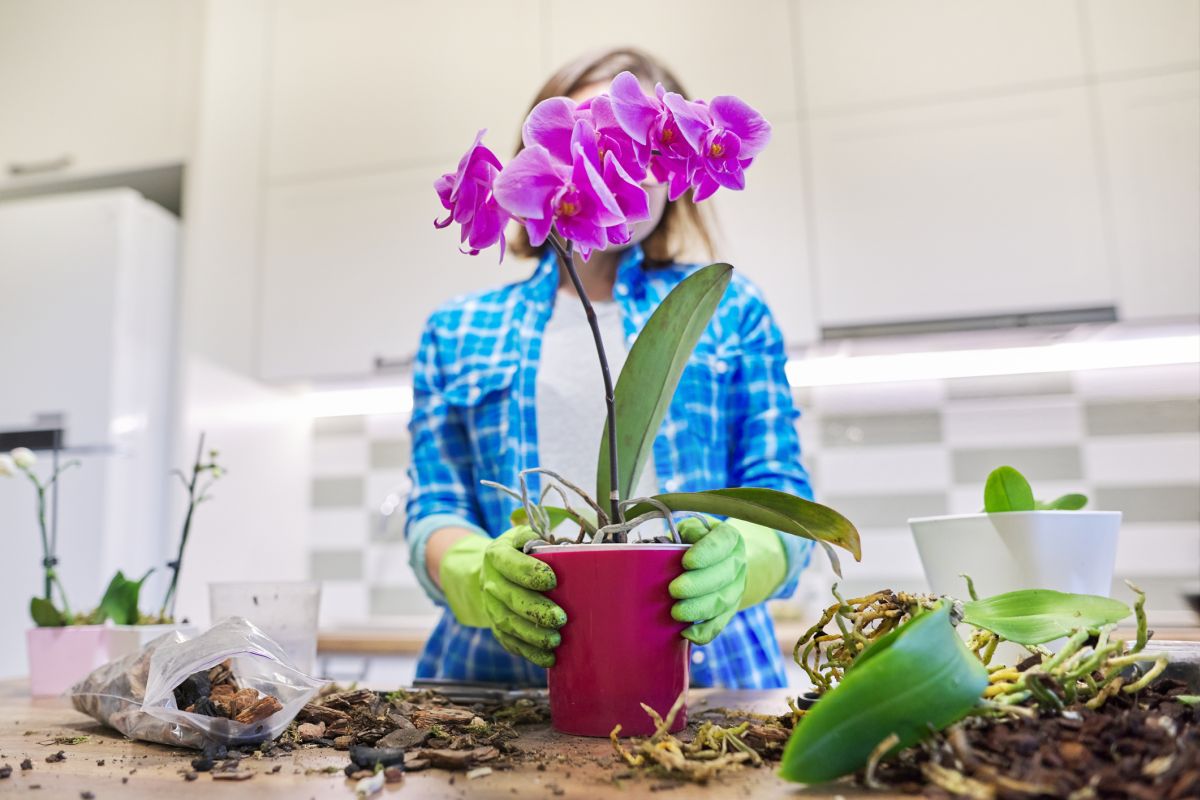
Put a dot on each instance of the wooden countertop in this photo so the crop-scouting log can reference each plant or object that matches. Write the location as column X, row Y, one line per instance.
column 381, row 641
column 585, row 767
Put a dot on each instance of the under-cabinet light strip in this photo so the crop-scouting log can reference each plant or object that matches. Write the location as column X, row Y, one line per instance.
column 943, row 364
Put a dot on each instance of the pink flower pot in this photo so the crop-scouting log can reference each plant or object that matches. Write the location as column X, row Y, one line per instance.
column 620, row 647
column 60, row 657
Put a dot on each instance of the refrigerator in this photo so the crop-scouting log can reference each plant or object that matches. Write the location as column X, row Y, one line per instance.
column 88, row 334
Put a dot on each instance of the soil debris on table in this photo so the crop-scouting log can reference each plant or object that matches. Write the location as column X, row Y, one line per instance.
column 1144, row 746
column 410, row 730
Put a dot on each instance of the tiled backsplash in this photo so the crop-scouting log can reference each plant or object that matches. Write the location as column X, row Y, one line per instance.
column 1128, row 438
column 880, row 453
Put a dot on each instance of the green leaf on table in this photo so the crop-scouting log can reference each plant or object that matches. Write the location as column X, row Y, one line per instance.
column 1035, row 616
column 1007, row 490
column 779, row 510
column 918, row 678
column 120, row 601
column 652, row 369
column 1068, row 502
column 44, row 613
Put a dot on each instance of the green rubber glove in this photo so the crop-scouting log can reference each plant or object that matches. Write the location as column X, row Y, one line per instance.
column 734, row 565
column 492, row 583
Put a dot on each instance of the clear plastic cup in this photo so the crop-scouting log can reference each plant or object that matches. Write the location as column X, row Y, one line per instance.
column 287, row 611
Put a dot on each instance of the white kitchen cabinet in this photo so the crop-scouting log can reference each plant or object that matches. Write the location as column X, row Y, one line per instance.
column 1128, row 36
column 365, row 85
column 858, row 53
column 710, row 47
column 764, row 234
column 956, row 210
column 97, row 87
column 351, row 269
column 1152, row 147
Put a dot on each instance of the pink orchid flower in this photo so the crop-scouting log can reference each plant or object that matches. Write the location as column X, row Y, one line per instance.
column 651, row 121
column 725, row 134
column 573, row 196
column 551, row 124
column 469, row 196
column 582, row 165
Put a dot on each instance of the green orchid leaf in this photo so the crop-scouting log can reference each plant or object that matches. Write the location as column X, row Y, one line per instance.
column 1035, row 616
column 652, row 370
column 779, row 510
column 120, row 601
column 1007, row 490
column 1189, row 699
column 45, row 614
column 557, row 517
column 1068, row 502
column 918, row 678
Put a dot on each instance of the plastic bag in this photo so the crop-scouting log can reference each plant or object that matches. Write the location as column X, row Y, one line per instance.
column 136, row 694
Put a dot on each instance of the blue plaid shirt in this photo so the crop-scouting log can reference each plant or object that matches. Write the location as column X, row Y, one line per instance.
column 731, row 423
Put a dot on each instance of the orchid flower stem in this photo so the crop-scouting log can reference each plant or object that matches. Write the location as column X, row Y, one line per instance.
column 47, row 556
column 168, row 604
column 614, row 497
column 49, row 560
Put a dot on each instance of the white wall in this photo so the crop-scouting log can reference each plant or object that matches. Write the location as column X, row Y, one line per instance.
column 255, row 524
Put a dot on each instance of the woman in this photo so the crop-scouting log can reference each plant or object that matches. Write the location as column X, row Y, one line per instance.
column 506, row 380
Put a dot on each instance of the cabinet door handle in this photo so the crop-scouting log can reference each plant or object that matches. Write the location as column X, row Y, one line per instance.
column 18, row 168
column 383, row 364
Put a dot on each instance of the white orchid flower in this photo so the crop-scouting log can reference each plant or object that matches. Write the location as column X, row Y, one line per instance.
column 23, row 457
column 8, row 467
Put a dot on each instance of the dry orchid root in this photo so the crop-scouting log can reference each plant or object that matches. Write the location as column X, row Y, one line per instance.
column 713, row 750
column 861, row 620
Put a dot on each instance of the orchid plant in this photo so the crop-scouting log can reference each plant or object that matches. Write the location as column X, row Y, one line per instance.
column 577, row 185
column 51, row 609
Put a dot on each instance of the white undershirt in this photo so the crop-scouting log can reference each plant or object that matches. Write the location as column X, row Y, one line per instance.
column 570, row 393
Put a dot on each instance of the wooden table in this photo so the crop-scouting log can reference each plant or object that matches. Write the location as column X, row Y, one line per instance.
column 381, row 641
column 579, row 767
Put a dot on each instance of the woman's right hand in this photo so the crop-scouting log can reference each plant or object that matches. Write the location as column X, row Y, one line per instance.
column 494, row 583
column 524, row 620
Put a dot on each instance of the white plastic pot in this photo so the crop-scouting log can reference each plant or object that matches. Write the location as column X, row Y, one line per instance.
column 1070, row 551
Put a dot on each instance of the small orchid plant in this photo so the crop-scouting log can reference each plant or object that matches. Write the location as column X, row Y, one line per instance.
column 578, row 185
column 122, row 596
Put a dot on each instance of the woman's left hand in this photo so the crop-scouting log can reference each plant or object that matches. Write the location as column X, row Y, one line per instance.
column 710, row 590
column 733, row 565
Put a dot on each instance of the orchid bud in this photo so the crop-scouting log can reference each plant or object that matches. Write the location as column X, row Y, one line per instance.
column 7, row 467
column 23, row 457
